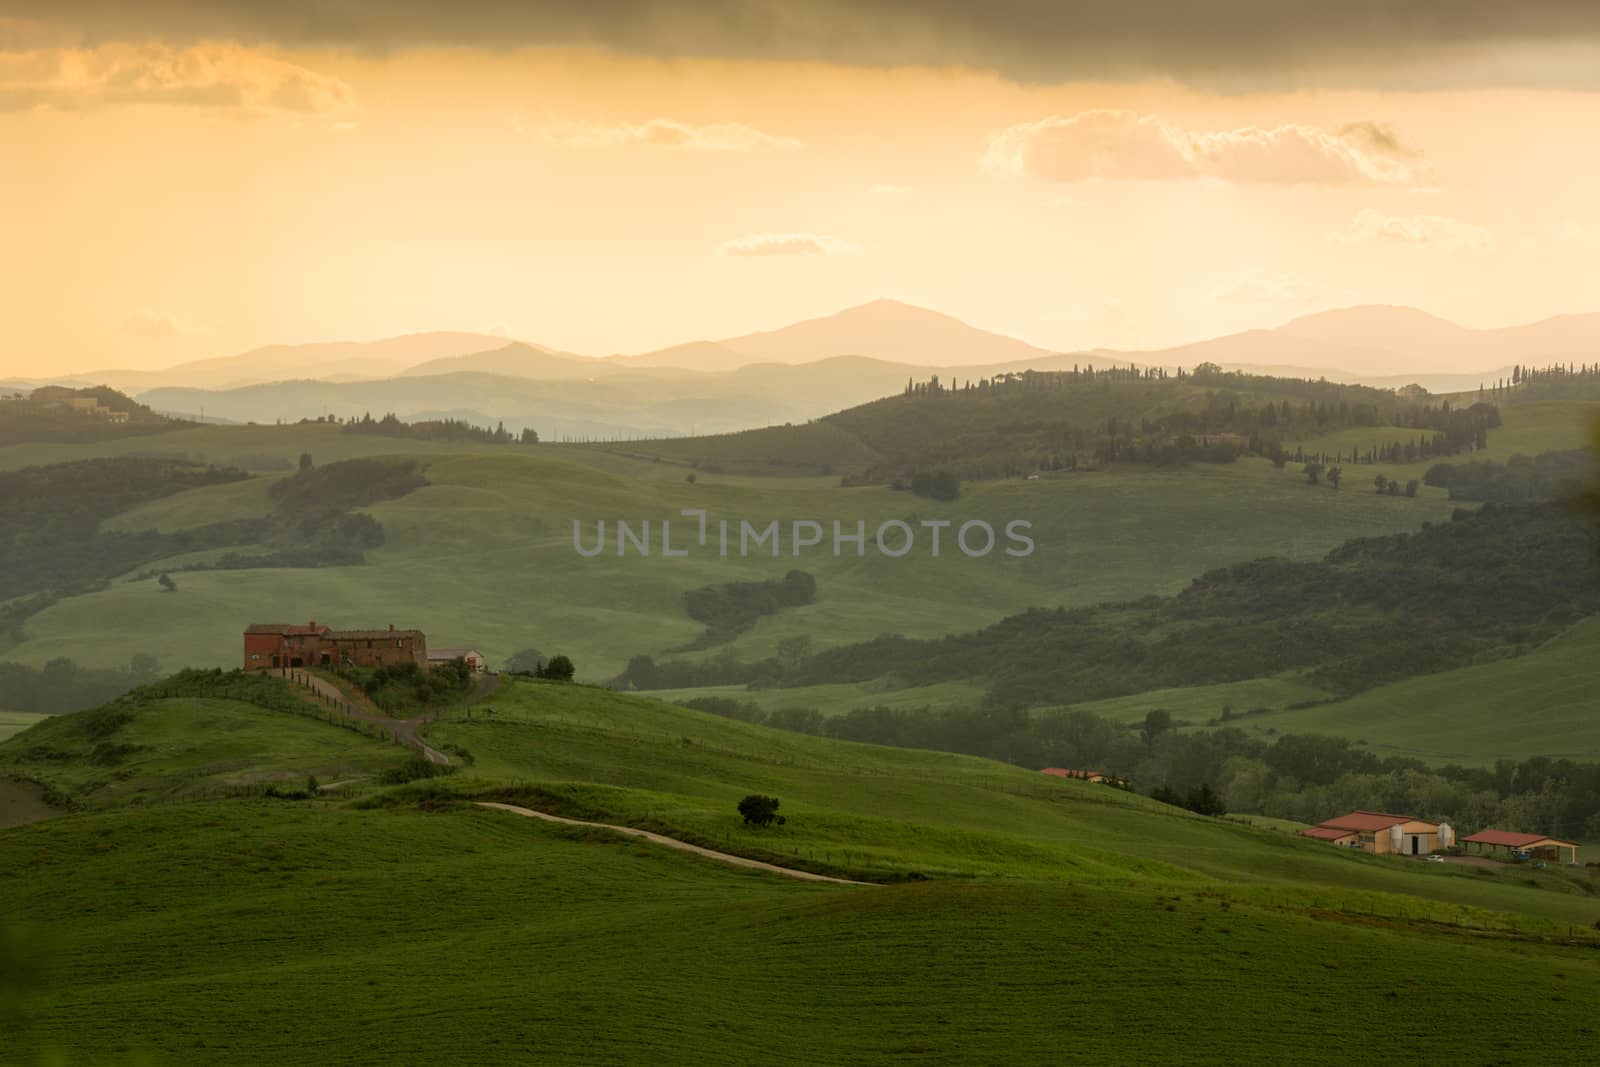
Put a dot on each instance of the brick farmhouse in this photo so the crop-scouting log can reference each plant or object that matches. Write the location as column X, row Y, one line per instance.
column 270, row 646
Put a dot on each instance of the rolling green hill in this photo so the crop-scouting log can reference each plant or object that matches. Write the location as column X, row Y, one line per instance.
column 412, row 925
column 14, row 722
column 1544, row 703
column 483, row 556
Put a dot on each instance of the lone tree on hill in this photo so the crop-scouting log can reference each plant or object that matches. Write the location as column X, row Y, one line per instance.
column 760, row 810
column 305, row 461
column 1334, row 475
column 1313, row 472
column 559, row 669
column 167, row 584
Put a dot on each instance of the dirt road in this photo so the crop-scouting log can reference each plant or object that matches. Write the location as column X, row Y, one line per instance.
column 402, row 730
column 721, row 857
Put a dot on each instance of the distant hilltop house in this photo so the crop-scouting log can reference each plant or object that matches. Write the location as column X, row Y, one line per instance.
column 437, row 657
column 1086, row 776
column 72, row 400
column 269, row 646
column 1383, row 834
column 1522, row 846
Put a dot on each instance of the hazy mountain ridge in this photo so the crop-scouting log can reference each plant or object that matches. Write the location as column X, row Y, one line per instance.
column 804, row 370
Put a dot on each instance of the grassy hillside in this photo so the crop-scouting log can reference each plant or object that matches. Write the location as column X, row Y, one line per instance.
column 1543, row 703
column 14, row 722
column 483, row 556
column 137, row 751
column 416, row 927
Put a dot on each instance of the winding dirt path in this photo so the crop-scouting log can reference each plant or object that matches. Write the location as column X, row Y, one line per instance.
column 672, row 842
column 404, row 731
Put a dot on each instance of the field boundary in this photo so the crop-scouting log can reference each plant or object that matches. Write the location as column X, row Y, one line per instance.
column 671, row 842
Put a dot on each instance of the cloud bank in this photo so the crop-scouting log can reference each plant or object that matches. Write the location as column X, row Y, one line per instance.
column 1372, row 225
column 786, row 244
column 1355, row 42
column 667, row 133
column 1121, row 145
column 205, row 76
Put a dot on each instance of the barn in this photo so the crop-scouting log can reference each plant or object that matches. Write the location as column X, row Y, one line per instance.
column 1523, row 846
column 1382, row 833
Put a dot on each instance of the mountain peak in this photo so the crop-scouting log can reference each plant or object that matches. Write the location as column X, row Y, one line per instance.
column 884, row 329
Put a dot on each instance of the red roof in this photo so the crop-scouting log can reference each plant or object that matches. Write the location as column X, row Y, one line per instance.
column 1509, row 838
column 1367, row 821
column 1067, row 772
column 1326, row 833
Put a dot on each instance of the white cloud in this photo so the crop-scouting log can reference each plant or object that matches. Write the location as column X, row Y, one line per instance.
column 157, row 324
column 219, row 76
column 667, row 133
column 1578, row 232
column 1127, row 146
column 786, row 244
column 1281, row 288
column 1435, row 230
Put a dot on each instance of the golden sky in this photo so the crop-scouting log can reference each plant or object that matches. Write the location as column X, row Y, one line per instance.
column 200, row 188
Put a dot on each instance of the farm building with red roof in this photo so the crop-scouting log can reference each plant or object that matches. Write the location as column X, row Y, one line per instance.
column 1534, row 846
column 1381, row 833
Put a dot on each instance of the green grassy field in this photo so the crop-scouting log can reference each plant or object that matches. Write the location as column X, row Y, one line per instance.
column 1525, row 429
column 483, row 557
column 186, row 747
column 1544, row 703
column 409, row 926
column 14, row 722
column 837, row 699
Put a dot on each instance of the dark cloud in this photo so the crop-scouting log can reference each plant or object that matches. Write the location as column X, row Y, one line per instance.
column 1228, row 42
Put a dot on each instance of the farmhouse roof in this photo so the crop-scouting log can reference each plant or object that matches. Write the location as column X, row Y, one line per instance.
column 1068, row 772
column 1367, row 821
column 451, row 653
column 283, row 628
column 368, row 635
column 1326, row 833
column 1510, row 838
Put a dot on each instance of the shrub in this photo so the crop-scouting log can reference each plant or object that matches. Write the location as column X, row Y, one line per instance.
column 759, row 810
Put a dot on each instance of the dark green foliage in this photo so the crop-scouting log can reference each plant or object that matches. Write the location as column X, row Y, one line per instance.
column 1518, row 480
column 167, row 584
column 44, row 416
column 1157, row 721
column 528, row 661
column 62, row 686
column 353, row 483
column 936, row 485
column 455, row 430
column 729, row 609
column 759, row 810
column 1489, row 584
column 415, row 770
column 559, row 669
column 399, row 687
column 50, row 535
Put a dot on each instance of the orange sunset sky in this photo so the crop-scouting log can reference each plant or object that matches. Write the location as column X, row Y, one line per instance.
column 190, row 178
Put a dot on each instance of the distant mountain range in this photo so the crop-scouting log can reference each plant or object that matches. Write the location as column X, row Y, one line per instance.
column 1378, row 344
column 797, row 372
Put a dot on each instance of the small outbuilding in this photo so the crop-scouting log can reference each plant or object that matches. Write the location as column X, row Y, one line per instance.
column 438, row 657
column 1523, row 846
